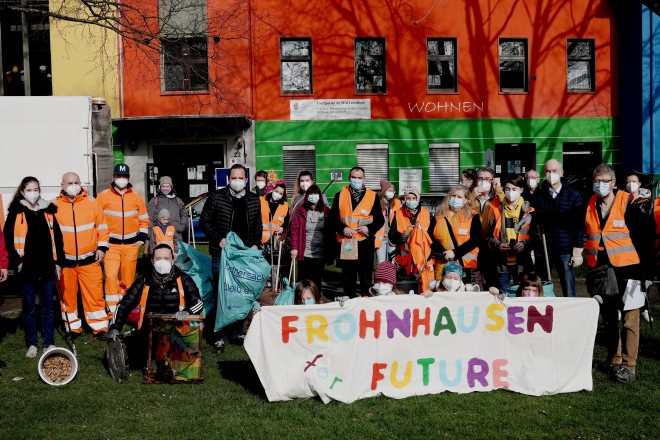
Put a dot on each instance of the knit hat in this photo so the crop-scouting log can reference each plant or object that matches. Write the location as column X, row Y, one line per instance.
column 385, row 185
column 163, row 213
column 412, row 191
column 454, row 267
column 165, row 180
column 385, row 273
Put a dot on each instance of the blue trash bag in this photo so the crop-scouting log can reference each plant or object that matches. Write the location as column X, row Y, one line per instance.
column 243, row 275
column 198, row 267
column 548, row 290
column 286, row 296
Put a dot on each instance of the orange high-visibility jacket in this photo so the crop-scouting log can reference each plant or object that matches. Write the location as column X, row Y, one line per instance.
column 354, row 218
column 277, row 219
column 165, row 238
column 83, row 227
column 615, row 236
column 127, row 217
column 145, row 294
column 21, row 230
column 500, row 228
column 395, row 205
column 460, row 225
column 404, row 225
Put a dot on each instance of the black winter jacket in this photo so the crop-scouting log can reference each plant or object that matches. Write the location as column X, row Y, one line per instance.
column 217, row 216
column 161, row 298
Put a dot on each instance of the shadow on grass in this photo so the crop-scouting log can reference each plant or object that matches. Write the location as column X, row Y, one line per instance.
column 244, row 374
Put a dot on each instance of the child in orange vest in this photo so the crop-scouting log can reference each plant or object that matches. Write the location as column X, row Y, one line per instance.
column 163, row 232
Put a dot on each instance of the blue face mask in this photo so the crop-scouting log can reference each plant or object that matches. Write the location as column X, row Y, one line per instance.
column 455, row 203
column 601, row 189
column 309, row 302
column 412, row 204
column 356, row 183
column 313, row 199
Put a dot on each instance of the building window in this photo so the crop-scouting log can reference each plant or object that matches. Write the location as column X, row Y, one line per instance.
column 374, row 158
column 442, row 65
column 444, row 167
column 370, row 74
column 296, row 65
column 296, row 158
column 581, row 65
column 184, row 49
column 513, row 65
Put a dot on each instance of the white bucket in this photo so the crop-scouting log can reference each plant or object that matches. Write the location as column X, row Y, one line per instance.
column 59, row 351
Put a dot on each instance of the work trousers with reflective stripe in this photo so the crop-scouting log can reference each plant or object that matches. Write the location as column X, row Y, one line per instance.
column 89, row 279
column 120, row 263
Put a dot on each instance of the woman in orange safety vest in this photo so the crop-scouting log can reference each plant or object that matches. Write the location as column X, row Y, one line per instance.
column 275, row 213
column 389, row 204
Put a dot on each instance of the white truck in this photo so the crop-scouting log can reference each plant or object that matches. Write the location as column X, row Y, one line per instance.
column 46, row 136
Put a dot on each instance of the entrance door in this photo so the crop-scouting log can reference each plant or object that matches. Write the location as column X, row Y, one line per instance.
column 191, row 167
column 579, row 160
column 514, row 158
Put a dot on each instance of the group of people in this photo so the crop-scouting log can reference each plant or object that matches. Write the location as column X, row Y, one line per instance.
column 78, row 243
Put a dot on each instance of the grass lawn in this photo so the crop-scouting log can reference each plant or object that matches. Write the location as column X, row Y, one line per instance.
column 231, row 404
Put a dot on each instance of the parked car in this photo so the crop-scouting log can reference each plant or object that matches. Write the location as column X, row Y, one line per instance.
column 195, row 209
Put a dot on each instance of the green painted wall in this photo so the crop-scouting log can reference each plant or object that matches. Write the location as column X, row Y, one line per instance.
column 408, row 141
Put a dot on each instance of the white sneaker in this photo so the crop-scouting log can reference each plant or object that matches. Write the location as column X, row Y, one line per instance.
column 49, row 348
column 32, row 352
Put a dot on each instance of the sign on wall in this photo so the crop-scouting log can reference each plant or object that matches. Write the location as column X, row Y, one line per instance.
column 410, row 179
column 402, row 346
column 329, row 109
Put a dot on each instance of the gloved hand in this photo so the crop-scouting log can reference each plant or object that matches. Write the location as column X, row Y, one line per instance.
column 114, row 334
column 180, row 316
column 576, row 259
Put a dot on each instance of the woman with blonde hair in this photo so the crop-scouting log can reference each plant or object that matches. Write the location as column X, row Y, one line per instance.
column 457, row 234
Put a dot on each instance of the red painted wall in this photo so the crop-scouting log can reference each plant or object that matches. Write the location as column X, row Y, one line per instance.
column 333, row 24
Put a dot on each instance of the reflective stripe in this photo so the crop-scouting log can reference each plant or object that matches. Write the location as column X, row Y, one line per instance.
column 469, row 257
column 75, row 325
column 67, row 228
column 131, row 213
column 123, row 237
column 100, row 325
column 80, row 257
column 615, row 235
column 102, row 227
column 115, row 298
column 113, row 213
column 593, row 236
column 96, row 315
column 144, row 230
column 621, row 249
column 103, row 243
column 78, row 228
column 19, row 239
column 143, row 216
column 70, row 316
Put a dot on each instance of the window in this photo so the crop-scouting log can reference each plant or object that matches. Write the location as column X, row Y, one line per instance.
column 441, row 65
column 444, row 167
column 296, row 65
column 513, row 65
column 581, row 65
column 295, row 159
column 184, row 51
column 370, row 65
column 375, row 161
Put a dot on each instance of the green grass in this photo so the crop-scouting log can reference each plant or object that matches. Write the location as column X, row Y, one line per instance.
column 231, row 404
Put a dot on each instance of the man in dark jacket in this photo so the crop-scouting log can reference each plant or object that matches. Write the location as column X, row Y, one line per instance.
column 230, row 209
column 165, row 290
column 559, row 210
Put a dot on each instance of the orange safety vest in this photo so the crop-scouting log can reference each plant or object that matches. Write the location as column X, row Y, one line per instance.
column 270, row 224
column 164, row 238
column 395, row 205
column 83, row 226
column 126, row 215
column 352, row 217
column 403, row 225
column 21, row 230
column 145, row 293
column 499, row 231
column 460, row 225
column 615, row 235
column 490, row 209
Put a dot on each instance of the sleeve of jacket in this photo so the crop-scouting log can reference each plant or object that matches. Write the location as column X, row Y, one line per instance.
column 436, row 246
column 184, row 219
column 208, row 217
column 8, row 233
column 394, row 235
column 492, row 241
column 377, row 215
column 59, row 243
column 130, row 301
column 143, row 218
column 152, row 212
column 194, row 303
column 257, row 231
column 4, row 258
column 101, row 227
column 295, row 230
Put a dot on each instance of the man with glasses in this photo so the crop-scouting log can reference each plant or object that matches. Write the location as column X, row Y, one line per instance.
column 559, row 210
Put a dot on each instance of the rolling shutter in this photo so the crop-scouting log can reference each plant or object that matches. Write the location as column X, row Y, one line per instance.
column 294, row 160
column 374, row 159
column 444, row 166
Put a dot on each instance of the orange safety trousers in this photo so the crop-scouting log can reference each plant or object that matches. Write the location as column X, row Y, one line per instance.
column 89, row 279
column 120, row 263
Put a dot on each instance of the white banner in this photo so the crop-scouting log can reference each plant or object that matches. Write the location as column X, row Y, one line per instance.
column 406, row 345
column 329, row 109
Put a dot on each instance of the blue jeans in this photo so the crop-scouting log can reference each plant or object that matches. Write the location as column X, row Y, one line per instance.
column 45, row 290
column 565, row 272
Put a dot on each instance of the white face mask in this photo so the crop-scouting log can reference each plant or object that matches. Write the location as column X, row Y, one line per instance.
column 632, row 187
column 389, row 195
column 602, row 189
column 513, row 196
column 277, row 196
column 451, row 285
column 313, row 199
column 73, row 190
column 31, row 196
column 552, row 178
column 163, row 267
column 383, row 288
column 121, row 182
column 237, row 185
column 305, row 185
column 485, row 185
column 532, row 183
column 261, row 184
